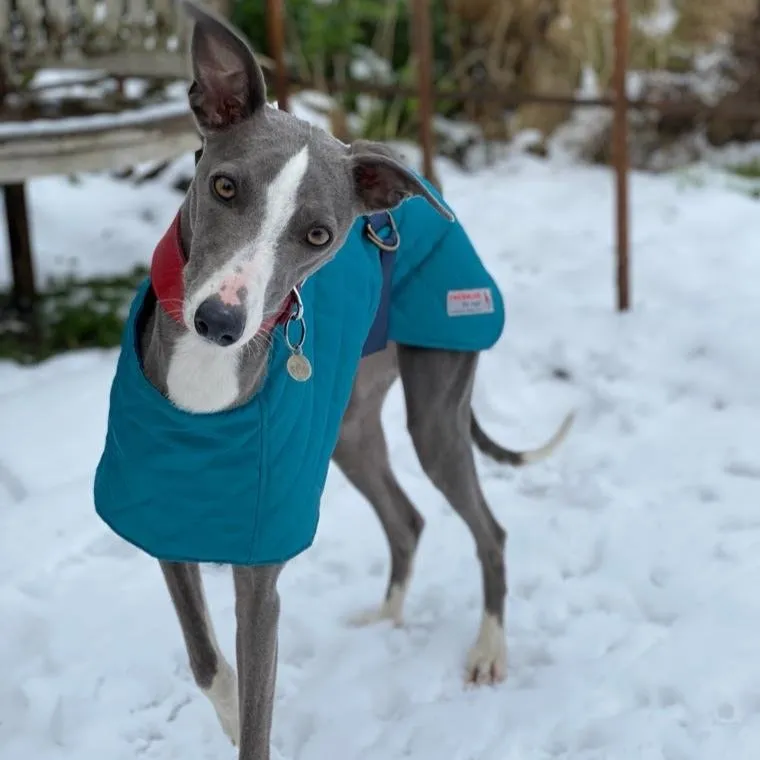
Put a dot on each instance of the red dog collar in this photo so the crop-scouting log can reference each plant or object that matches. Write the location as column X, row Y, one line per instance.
column 166, row 269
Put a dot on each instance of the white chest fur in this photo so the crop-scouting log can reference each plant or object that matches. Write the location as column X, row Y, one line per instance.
column 202, row 377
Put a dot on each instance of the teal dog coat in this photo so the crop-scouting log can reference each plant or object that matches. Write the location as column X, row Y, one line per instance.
column 441, row 296
column 243, row 486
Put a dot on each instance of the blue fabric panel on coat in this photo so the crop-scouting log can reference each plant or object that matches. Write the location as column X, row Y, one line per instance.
column 382, row 226
column 241, row 486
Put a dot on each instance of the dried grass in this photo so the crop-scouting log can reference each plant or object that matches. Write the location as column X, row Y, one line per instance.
column 704, row 22
column 541, row 45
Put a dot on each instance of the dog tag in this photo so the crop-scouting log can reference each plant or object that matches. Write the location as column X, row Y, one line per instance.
column 299, row 367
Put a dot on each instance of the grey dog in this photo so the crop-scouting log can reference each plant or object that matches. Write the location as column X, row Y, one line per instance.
column 285, row 164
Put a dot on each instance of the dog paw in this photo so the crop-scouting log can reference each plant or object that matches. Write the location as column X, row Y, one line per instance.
column 231, row 727
column 224, row 697
column 487, row 660
column 391, row 609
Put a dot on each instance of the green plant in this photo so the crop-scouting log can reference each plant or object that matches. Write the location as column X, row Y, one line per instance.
column 71, row 315
column 323, row 37
column 318, row 34
column 750, row 170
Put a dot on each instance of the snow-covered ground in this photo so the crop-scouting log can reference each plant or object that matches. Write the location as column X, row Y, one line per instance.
column 634, row 552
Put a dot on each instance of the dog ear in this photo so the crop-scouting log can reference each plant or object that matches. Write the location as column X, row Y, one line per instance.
column 228, row 84
column 381, row 182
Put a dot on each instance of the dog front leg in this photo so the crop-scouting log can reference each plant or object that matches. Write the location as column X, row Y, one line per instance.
column 257, row 608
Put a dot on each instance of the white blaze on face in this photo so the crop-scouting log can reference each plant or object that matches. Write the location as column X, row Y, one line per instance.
column 203, row 377
column 282, row 197
column 251, row 268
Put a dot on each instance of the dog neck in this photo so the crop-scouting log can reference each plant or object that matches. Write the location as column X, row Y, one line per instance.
column 188, row 370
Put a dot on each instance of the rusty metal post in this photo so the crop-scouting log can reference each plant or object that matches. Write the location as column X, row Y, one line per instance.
column 422, row 45
column 276, row 36
column 620, row 153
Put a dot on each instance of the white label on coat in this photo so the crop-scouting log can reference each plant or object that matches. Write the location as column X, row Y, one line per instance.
column 462, row 303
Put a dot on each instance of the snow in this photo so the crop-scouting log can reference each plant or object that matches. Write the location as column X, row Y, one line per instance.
column 634, row 552
column 137, row 117
column 51, row 85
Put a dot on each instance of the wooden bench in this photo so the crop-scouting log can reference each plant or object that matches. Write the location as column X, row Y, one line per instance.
column 86, row 85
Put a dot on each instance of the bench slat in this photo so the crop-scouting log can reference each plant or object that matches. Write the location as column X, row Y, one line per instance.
column 30, row 13
column 58, row 13
column 92, row 150
column 138, row 31
column 124, row 38
column 172, row 26
column 125, row 63
column 57, row 19
column 65, row 31
column 166, row 16
column 86, row 10
column 5, row 12
column 112, row 18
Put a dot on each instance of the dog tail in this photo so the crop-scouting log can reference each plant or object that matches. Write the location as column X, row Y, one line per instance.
column 517, row 458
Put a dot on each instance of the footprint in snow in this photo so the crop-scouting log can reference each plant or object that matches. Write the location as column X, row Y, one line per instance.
column 749, row 470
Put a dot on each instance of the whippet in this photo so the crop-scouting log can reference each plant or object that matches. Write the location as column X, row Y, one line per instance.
column 271, row 202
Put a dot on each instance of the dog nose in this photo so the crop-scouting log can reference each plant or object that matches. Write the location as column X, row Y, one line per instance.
column 218, row 322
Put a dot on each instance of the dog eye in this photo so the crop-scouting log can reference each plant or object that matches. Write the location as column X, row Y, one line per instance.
column 319, row 236
column 224, row 188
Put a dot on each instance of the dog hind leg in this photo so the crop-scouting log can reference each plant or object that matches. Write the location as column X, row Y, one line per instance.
column 438, row 390
column 362, row 456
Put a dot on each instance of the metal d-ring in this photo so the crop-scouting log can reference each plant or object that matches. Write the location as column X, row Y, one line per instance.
column 296, row 316
column 379, row 242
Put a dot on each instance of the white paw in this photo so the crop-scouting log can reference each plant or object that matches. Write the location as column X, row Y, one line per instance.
column 231, row 725
column 487, row 660
column 223, row 694
column 391, row 609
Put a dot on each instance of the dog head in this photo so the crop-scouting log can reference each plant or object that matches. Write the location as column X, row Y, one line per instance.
column 273, row 197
